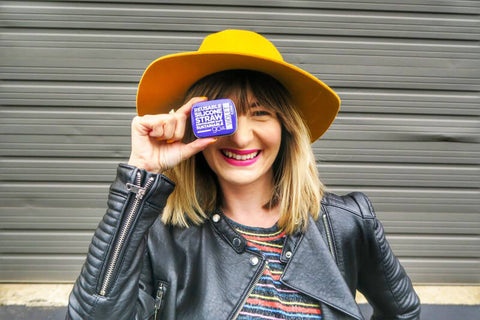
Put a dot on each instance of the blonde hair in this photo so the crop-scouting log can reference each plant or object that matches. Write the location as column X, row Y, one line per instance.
column 297, row 188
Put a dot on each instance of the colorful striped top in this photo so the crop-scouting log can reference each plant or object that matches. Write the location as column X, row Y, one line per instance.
column 271, row 299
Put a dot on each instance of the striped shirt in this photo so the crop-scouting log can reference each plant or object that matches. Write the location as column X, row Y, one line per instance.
column 271, row 299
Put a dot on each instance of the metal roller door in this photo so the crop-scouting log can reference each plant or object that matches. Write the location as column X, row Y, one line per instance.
column 407, row 135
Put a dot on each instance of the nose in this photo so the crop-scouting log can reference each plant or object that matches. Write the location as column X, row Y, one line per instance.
column 244, row 134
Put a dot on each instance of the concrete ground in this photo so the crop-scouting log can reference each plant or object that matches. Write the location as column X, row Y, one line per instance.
column 48, row 302
column 429, row 312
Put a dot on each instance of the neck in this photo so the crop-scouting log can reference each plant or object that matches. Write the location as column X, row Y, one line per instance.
column 245, row 204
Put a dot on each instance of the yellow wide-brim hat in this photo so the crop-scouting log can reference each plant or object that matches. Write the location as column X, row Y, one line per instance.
column 166, row 80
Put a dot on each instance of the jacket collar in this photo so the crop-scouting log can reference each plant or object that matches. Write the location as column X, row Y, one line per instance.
column 320, row 278
column 227, row 232
column 310, row 258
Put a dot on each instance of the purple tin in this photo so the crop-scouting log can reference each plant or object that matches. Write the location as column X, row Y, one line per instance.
column 214, row 118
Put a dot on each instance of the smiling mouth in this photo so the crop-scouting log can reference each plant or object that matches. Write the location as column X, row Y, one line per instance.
column 240, row 157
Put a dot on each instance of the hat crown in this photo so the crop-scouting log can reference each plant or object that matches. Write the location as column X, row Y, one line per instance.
column 240, row 42
column 167, row 79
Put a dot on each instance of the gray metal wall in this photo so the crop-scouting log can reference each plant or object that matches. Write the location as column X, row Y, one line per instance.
column 407, row 134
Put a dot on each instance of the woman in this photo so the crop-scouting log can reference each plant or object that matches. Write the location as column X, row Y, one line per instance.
column 246, row 230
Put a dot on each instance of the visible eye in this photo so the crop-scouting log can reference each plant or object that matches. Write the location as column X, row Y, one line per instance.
column 260, row 113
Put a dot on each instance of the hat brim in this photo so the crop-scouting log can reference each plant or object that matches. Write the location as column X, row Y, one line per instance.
column 167, row 79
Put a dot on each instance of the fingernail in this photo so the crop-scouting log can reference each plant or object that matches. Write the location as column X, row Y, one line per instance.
column 170, row 141
column 213, row 140
column 204, row 98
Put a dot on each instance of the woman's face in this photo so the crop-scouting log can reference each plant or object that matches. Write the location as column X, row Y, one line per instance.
column 246, row 157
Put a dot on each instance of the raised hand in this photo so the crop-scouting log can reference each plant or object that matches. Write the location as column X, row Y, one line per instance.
column 157, row 139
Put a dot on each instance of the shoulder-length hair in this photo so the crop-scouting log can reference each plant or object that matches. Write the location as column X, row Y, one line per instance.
column 297, row 188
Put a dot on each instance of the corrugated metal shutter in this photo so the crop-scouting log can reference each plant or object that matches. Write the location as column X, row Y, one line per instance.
column 407, row 135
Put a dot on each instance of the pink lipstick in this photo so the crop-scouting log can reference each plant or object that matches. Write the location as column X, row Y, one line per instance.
column 240, row 157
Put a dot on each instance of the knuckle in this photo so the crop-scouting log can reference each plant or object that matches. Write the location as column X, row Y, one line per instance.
column 136, row 120
column 182, row 117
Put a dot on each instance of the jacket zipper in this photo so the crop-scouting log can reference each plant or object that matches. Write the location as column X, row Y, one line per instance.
column 139, row 193
column 250, row 290
column 159, row 299
column 329, row 236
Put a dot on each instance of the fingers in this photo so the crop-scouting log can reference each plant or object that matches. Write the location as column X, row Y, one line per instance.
column 179, row 131
column 169, row 126
column 187, row 107
column 183, row 113
column 160, row 153
column 196, row 146
column 149, row 125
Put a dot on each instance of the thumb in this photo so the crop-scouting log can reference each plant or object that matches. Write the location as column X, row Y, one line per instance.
column 196, row 146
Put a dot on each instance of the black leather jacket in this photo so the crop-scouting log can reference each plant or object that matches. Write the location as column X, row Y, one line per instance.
column 138, row 268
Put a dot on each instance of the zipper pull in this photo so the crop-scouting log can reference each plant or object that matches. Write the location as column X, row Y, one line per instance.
column 159, row 299
column 138, row 190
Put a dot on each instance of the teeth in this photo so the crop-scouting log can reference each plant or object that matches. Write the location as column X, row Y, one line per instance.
column 240, row 157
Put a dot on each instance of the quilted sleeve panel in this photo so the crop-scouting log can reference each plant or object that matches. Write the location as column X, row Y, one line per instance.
column 110, row 284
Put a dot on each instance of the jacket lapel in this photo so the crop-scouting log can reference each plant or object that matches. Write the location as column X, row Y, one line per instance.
column 313, row 271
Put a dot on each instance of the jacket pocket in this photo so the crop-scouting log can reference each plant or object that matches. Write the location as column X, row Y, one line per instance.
column 160, row 295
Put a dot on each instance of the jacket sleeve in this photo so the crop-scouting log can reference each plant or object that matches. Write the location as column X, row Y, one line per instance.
column 382, row 279
column 115, row 280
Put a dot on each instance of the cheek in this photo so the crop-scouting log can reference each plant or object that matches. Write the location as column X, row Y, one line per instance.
column 208, row 154
column 273, row 137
